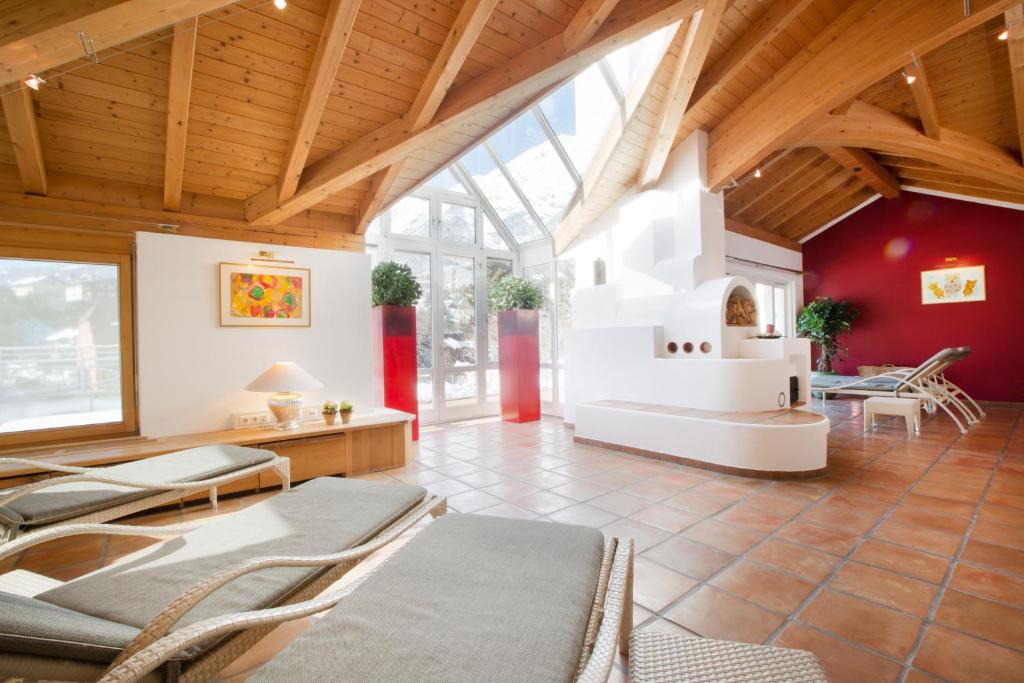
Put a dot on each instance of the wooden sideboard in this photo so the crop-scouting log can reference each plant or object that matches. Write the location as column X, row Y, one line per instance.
column 370, row 442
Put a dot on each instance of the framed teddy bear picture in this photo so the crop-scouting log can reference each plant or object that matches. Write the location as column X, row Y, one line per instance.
column 953, row 285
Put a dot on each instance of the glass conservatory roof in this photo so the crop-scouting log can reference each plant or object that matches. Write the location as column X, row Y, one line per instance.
column 527, row 174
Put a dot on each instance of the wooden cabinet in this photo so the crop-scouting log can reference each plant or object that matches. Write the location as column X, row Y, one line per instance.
column 317, row 456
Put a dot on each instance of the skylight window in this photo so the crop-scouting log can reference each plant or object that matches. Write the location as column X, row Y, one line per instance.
column 446, row 180
column 579, row 112
column 492, row 182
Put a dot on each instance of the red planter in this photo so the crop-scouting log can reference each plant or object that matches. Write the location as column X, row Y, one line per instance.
column 394, row 360
column 519, row 363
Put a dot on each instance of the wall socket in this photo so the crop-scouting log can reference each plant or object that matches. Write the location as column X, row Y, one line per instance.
column 249, row 420
column 310, row 413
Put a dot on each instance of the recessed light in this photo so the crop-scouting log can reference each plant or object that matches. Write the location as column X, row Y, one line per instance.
column 34, row 81
column 757, row 173
column 1004, row 34
column 910, row 78
column 280, row 4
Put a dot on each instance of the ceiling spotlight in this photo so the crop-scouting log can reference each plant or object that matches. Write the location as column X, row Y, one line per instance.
column 757, row 173
column 1004, row 34
column 34, row 81
column 280, row 4
column 910, row 78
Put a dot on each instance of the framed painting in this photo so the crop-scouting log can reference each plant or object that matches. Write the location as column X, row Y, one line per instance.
column 258, row 295
column 953, row 285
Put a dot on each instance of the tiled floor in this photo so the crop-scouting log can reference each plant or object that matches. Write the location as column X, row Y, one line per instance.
column 905, row 563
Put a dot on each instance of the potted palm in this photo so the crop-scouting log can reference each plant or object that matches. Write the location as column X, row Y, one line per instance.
column 395, row 291
column 330, row 412
column 823, row 321
column 516, row 301
column 346, row 411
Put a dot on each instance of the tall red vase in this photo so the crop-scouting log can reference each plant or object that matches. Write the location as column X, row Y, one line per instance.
column 394, row 360
column 519, row 364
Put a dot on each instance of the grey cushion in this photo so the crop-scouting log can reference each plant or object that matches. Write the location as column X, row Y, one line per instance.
column 33, row 627
column 469, row 599
column 322, row 516
column 65, row 501
column 821, row 381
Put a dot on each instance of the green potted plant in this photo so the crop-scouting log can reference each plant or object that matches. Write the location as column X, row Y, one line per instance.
column 516, row 300
column 330, row 411
column 395, row 292
column 346, row 411
column 823, row 321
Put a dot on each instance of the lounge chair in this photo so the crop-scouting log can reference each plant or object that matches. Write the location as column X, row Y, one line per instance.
column 314, row 532
column 470, row 598
column 927, row 382
column 100, row 494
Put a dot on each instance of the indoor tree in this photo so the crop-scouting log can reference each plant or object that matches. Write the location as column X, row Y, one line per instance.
column 823, row 321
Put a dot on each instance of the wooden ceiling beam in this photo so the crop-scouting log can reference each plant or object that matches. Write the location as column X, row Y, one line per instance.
column 956, row 188
column 869, row 41
column 738, row 56
column 1015, row 45
column 20, row 113
column 700, row 33
column 586, row 22
column 52, row 39
column 463, row 34
column 497, row 90
column 865, row 125
column 923, row 98
column 809, row 197
column 179, row 92
column 741, row 228
column 341, row 16
column 865, row 167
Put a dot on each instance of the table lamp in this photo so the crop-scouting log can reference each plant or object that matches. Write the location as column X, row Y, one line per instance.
column 285, row 380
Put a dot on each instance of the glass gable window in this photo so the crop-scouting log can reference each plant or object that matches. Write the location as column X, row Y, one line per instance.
column 535, row 166
column 580, row 112
column 446, row 180
column 411, row 217
column 492, row 182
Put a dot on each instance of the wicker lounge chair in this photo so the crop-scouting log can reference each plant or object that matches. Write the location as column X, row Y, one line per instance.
column 927, row 382
column 314, row 532
column 100, row 494
column 470, row 598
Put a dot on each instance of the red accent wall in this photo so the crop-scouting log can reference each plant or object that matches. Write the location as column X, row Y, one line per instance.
column 875, row 257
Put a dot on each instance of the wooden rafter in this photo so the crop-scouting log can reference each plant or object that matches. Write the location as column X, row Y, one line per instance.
column 341, row 16
column 878, row 36
column 1015, row 45
column 741, row 228
column 495, row 90
column 699, row 35
column 865, row 125
column 446, row 66
column 20, row 114
column 923, row 98
column 585, row 23
column 774, row 20
column 865, row 167
column 52, row 39
column 179, row 92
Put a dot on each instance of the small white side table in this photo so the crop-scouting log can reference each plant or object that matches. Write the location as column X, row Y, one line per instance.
column 907, row 408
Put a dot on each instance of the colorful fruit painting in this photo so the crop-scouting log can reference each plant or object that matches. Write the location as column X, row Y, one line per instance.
column 259, row 295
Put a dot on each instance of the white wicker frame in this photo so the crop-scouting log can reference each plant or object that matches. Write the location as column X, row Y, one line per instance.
column 163, row 492
column 608, row 629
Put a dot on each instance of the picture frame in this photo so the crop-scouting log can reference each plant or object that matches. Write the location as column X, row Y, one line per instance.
column 962, row 284
column 262, row 295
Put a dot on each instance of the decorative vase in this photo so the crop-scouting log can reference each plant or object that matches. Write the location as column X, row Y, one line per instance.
column 394, row 360
column 519, row 365
column 329, row 418
column 346, row 416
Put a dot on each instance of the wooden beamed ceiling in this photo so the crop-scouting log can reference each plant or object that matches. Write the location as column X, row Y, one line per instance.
column 298, row 126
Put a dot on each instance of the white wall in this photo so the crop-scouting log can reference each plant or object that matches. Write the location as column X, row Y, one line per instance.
column 191, row 370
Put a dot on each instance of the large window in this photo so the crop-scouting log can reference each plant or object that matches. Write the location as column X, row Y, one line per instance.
column 66, row 357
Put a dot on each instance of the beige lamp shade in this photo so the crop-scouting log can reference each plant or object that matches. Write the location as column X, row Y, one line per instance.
column 284, row 377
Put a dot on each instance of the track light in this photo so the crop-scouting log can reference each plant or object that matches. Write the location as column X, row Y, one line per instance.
column 757, row 173
column 280, row 4
column 1004, row 34
column 33, row 81
column 910, row 78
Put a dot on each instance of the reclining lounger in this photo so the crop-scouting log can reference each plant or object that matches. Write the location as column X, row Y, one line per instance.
column 926, row 382
column 76, row 630
column 471, row 598
column 100, row 494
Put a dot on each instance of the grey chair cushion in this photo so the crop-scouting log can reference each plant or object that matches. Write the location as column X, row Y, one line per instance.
column 821, row 381
column 322, row 516
column 471, row 598
column 33, row 627
column 65, row 501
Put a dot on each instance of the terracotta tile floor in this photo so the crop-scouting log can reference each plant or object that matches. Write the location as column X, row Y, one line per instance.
column 906, row 562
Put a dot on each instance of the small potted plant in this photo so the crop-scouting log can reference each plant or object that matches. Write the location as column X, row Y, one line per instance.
column 346, row 411
column 329, row 411
column 516, row 300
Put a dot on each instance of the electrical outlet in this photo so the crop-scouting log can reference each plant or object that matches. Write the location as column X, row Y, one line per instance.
column 311, row 413
column 250, row 420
